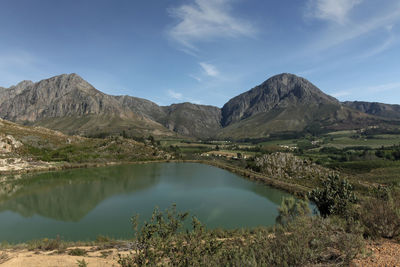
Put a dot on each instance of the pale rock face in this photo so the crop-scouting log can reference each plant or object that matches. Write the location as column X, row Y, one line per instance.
column 59, row 96
column 8, row 144
column 287, row 166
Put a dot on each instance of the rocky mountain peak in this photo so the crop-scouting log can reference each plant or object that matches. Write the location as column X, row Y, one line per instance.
column 280, row 91
column 24, row 84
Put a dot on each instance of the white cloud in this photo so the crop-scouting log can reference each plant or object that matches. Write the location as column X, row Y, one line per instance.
column 195, row 77
column 209, row 69
column 337, row 34
column 180, row 97
column 340, row 94
column 204, row 20
column 175, row 95
column 333, row 10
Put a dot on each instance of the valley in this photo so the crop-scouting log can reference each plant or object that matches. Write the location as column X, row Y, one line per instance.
column 284, row 137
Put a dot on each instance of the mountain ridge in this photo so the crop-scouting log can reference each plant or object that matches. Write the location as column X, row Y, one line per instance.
column 282, row 103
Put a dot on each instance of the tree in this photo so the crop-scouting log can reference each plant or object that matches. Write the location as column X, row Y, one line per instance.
column 334, row 198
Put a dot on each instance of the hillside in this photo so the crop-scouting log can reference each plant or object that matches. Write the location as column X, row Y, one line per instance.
column 191, row 119
column 25, row 147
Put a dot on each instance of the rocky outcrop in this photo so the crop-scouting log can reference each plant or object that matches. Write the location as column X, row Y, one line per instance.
column 8, row 144
column 284, row 166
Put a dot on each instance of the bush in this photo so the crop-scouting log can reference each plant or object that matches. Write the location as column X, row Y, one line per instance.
column 290, row 209
column 381, row 218
column 77, row 252
column 334, row 198
column 303, row 240
column 315, row 240
column 47, row 244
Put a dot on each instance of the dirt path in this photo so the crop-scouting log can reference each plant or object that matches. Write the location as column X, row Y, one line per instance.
column 381, row 253
column 94, row 257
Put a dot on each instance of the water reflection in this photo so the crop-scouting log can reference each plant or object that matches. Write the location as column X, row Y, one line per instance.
column 83, row 203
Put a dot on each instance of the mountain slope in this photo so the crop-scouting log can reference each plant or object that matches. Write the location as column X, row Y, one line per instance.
column 286, row 103
column 283, row 103
column 374, row 108
column 190, row 119
column 70, row 104
column 279, row 92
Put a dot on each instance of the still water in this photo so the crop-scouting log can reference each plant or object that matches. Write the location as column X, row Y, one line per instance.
column 82, row 204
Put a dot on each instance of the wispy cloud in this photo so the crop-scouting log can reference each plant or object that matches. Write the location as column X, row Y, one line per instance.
column 209, row 69
column 383, row 87
column 354, row 28
column 18, row 65
column 391, row 40
column 333, row 10
column 175, row 95
column 195, row 77
column 204, row 20
column 340, row 94
column 180, row 97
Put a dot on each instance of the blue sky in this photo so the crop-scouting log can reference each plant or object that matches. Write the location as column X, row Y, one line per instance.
column 205, row 51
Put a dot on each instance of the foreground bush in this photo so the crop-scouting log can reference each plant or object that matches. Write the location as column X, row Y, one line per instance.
column 301, row 241
column 381, row 218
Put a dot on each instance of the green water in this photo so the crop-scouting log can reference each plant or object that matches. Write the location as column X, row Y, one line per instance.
column 82, row 204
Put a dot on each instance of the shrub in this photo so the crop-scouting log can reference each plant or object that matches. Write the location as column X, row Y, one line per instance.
column 314, row 240
column 290, row 209
column 47, row 244
column 304, row 240
column 82, row 263
column 334, row 198
column 77, row 252
column 381, row 218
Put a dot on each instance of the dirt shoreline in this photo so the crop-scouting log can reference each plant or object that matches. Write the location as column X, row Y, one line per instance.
column 377, row 253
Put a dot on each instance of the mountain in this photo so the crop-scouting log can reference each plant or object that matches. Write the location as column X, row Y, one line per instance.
column 187, row 119
column 374, row 108
column 191, row 119
column 70, row 104
column 279, row 92
column 286, row 103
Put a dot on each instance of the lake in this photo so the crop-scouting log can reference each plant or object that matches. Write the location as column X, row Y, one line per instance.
column 82, row 204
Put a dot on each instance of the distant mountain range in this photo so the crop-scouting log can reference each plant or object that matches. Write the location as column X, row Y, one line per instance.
column 283, row 103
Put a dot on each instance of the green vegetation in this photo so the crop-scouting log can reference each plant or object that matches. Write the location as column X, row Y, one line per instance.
column 334, row 198
column 364, row 203
column 77, row 252
column 302, row 240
